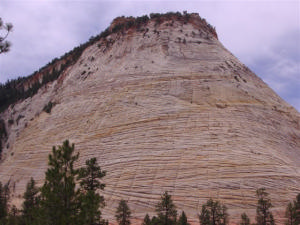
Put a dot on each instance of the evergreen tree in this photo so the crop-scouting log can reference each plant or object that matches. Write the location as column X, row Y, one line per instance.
column 183, row 219
column 4, row 198
column 123, row 213
column 58, row 194
column 204, row 216
column 223, row 215
column 147, row 220
column 272, row 221
column 5, row 45
column 292, row 212
column 213, row 213
column 263, row 213
column 166, row 210
column 297, row 206
column 244, row 219
column 90, row 200
column 155, row 221
column 13, row 217
column 30, row 207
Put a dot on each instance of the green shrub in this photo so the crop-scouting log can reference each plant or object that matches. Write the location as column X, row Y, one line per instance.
column 47, row 108
column 10, row 121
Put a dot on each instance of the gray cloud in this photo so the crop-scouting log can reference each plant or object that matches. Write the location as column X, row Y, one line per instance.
column 262, row 34
column 279, row 66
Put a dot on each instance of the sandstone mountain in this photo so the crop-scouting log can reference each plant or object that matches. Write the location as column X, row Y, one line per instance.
column 164, row 106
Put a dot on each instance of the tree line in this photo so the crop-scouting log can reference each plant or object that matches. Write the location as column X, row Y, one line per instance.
column 59, row 201
column 212, row 212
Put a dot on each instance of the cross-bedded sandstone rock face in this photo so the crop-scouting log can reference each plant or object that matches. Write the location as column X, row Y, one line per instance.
column 163, row 108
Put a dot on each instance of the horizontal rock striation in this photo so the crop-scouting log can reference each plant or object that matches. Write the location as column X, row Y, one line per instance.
column 163, row 108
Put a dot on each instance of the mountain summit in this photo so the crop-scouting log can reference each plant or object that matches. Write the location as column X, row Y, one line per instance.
column 164, row 107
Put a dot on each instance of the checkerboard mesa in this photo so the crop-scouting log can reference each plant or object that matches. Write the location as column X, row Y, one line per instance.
column 163, row 106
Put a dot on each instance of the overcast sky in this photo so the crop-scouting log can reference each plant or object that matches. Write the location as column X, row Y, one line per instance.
column 263, row 34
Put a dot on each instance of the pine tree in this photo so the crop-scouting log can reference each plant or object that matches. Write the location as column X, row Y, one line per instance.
column 123, row 213
column 244, row 219
column 166, row 210
column 5, row 45
column 4, row 198
column 223, row 215
column 13, row 217
column 263, row 214
column 183, row 219
column 272, row 221
column 58, row 194
column 204, row 216
column 292, row 212
column 155, row 221
column 213, row 213
column 297, row 206
column 30, row 206
column 147, row 220
column 90, row 200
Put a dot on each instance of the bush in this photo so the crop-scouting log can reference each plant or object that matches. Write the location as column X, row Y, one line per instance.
column 47, row 108
column 10, row 121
